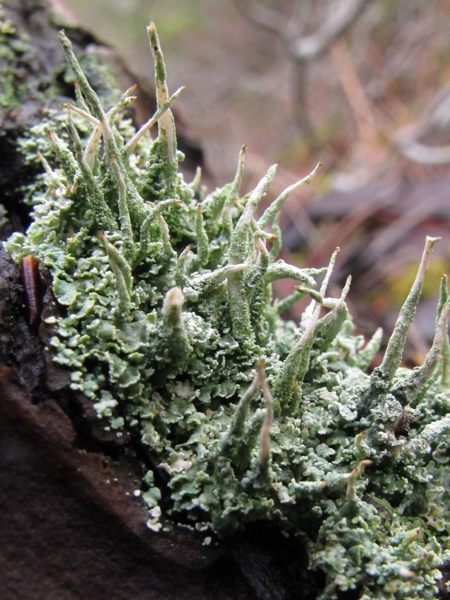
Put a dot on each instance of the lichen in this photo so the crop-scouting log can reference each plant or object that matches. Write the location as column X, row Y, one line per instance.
column 13, row 48
column 20, row 61
column 169, row 326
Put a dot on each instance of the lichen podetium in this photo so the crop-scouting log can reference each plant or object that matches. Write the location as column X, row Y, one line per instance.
column 169, row 326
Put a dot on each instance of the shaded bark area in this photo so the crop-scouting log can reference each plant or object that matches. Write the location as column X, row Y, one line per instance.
column 56, row 543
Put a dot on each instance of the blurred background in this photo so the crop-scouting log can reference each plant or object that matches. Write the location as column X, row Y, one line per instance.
column 362, row 84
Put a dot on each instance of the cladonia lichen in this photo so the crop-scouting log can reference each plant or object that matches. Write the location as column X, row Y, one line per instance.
column 169, row 326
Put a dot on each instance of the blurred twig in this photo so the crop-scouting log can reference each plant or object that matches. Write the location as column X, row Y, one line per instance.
column 354, row 91
column 303, row 49
column 434, row 124
column 337, row 22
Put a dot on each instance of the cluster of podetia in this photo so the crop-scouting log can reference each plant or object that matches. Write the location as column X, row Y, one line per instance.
column 169, row 326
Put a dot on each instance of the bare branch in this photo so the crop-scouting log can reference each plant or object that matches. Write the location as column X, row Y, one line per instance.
column 423, row 154
column 434, row 123
column 303, row 48
column 262, row 16
column 306, row 48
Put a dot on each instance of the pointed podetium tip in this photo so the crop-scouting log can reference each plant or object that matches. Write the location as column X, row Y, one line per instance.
column 122, row 273
column 236, row 434
column 270, row 212
column 420, row 375
column 264, row 439
column 357, row 472
column 153, row 34
column 384, row 374
column 166, row 127
column 154, row 40
column 173, row 334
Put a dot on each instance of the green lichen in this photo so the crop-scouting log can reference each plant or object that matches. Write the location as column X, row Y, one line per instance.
column 23, row 79
column 13, row 49
column 169, row 326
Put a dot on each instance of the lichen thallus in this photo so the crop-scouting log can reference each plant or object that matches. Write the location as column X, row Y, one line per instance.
column 168, row 324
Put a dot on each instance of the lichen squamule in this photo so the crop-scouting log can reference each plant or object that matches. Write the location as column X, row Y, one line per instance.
column 168, row 324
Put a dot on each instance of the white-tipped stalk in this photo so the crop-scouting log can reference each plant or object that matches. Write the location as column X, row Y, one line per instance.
column 172, row 306
column 353, row 476
column 173, row 335
column 420, row 376
column 264, row 438
column 122, row 272
column 154, row 213
column 296, row 364
column 236, row 435
column 161, row 111
column 241, row 247
column 180, row 269
column 165, row 235
column 85, row 88
column 271, row 211
column 443, row 299
column 197, row 179
column 232, row 197
column 90, row 151
column 166, row 127
column 124, row 102
column 326, row 279
column 80, row 100
column 394, row 351
column 82, row 113
column 47, row 168
column 124, row 214
column 236, row 431
column 92, row 145
column 202, row 237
